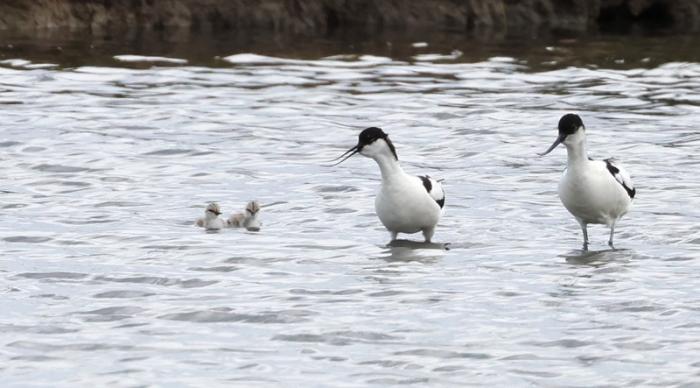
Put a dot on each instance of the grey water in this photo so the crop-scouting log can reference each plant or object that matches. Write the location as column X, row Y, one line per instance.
column 107, row 157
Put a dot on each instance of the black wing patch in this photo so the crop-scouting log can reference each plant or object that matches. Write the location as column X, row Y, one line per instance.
column 426, row 183
column 441, row 202
column 438, row 197
column 618, row 177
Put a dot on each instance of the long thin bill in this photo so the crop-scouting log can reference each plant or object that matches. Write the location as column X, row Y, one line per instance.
column 554, row 145
column 352, row 151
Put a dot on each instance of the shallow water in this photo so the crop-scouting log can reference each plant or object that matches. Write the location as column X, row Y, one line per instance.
column 107, row 161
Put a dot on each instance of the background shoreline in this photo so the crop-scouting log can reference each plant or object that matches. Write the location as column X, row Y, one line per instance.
column 489, row 18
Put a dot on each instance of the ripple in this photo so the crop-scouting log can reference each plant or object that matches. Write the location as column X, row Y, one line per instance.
column 60, row 168
column 80, row 347
column 564, row 343
column 336, row 189
column 35, row 358
column 6, row 144
column 438, row 57
column 340, row 338
column 83, row 222
column 111, row 314
column 535, row 373
column 633, row 306
column 398, row 381
column 116, row 310
column 301, row 291
column 222, row 268
column 5, row 328
column 123, row 294
column 288, row 316
column 159, row 281
column 145, row 58
column 53, row 275
column 168, row 152
column 256, row 59
column 27, row 239
column 340, row 211
column 441, row 354
column 119, row 204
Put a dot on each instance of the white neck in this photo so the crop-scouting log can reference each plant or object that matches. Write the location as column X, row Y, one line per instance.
column 577, row 153
column 210, row 216
column 388, row 165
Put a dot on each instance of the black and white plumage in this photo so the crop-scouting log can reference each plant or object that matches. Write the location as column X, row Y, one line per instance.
column 404, row 203
column 434, row 189
column 621, row 176
column 593, row 191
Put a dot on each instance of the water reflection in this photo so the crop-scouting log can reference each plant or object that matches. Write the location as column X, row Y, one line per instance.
column 595, row 258
column 406, row 250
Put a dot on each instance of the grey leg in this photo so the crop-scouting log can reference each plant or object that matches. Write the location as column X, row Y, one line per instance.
column 393, row 235
column 612, row 233
column 428, row 233
column 584, row 229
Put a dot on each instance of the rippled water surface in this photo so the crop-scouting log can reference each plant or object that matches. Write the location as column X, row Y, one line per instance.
column 107, row 162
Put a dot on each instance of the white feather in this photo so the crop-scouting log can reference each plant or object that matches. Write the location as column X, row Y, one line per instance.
column 621, row 175
column 436, row 191
column 403, row 203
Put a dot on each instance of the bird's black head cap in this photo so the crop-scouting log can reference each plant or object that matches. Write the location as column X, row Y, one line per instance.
column 372, row 134
column 569, row 124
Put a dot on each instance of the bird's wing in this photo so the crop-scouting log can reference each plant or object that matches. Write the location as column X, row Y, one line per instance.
column 434, row 189
column 621, row 175
column 236, row 220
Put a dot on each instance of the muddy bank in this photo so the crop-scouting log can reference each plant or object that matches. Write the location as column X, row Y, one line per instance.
column 509, row 17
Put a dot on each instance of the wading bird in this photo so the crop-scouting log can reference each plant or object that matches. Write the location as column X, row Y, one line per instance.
column 404, row 203
column 593, row 191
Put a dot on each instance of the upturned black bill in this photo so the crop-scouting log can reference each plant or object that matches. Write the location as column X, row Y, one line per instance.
column 352, row 151
column 554, row 145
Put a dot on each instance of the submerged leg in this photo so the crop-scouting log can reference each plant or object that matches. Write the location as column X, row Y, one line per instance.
column 393, row 235
column 612, row 233
column 584, row 229
column 428, row 233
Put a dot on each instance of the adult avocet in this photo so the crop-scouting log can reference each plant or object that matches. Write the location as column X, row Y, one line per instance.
column 404, row 203
column 211, row 218
column 248, row 218
column 594, row 191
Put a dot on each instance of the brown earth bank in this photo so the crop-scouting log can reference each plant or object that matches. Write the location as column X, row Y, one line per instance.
column 313, row 17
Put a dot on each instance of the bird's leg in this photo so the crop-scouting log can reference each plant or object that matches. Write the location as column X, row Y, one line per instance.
column 612, row 233
column 428, row 234
column 393, row 235
column 584, row 229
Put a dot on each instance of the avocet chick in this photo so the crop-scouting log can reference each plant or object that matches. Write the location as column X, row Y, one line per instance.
column 211, row 218
column 248, row 218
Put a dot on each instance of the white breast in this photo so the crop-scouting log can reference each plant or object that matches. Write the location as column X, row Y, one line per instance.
column 213, row 223
column 403, row 205
column 592, row 194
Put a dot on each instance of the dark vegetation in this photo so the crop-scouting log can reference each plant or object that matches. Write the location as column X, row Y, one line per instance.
column 315, row 17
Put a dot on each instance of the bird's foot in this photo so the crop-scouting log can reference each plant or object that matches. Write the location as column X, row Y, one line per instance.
column 610, row 244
